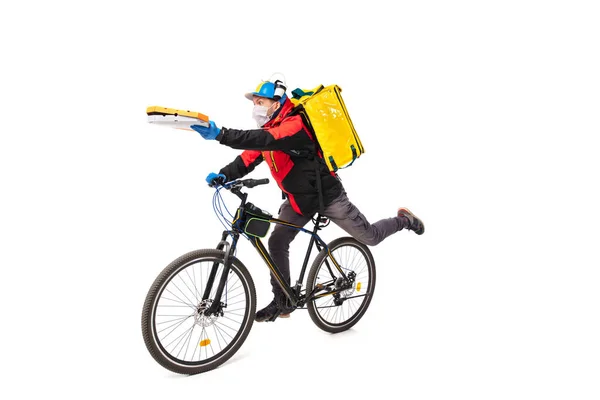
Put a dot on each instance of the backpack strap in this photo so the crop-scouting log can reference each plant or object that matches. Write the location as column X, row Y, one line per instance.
column 299, row 110
column 298, row 93
column 319, row 185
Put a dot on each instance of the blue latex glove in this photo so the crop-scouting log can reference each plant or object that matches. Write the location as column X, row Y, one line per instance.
column 209, row 133
column 214, row 179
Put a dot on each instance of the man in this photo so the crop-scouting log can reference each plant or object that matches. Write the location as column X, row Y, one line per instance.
column 288, row 147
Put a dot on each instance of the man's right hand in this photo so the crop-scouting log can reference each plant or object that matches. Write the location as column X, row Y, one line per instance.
column 215, row 179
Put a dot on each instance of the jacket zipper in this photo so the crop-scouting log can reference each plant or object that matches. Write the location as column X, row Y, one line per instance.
column 273, row 162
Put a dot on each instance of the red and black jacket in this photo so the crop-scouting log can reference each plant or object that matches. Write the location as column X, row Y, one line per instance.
column 287, row 144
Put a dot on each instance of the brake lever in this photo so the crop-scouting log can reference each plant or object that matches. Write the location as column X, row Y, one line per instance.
column 233, row 185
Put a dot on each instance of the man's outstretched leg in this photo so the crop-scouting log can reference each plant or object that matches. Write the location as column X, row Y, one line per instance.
column 348, row 217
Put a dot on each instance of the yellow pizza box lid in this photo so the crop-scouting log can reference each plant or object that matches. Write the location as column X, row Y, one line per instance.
column 156, row 110
column 174, row 118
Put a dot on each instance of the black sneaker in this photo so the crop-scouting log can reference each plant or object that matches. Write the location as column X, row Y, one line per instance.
column 271, row 312
column 416, row 225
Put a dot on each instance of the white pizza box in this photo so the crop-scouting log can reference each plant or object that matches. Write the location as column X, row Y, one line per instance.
column 174, row 118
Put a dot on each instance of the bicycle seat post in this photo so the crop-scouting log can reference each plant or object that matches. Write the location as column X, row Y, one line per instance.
column 321, row 221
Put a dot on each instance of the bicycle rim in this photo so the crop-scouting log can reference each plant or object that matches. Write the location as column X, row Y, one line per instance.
column 339, row 311
column 182, row 333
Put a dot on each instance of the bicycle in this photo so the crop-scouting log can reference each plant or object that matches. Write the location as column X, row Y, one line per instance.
column 201, row 307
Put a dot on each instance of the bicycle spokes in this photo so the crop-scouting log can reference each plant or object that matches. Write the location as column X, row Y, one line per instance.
column 183, row 328
column 340, row 298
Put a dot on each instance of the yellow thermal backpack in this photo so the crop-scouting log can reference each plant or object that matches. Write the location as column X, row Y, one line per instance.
column 328, row 117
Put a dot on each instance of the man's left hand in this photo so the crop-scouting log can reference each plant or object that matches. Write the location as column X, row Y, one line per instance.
column 209, row 133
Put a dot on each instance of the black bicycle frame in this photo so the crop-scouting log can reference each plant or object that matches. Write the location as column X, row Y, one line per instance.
column 293, row 294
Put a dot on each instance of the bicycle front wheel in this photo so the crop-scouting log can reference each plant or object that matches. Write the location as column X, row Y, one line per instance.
column 337, row 304
column 177, row 333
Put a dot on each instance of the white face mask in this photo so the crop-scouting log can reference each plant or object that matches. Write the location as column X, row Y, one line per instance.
column 261, row 114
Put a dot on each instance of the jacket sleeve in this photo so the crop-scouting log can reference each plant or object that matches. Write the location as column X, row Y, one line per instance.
column 242, row 165
column 289, row 135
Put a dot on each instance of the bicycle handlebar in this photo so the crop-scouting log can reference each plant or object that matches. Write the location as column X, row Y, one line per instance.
column 235, row 186
column 249, row 183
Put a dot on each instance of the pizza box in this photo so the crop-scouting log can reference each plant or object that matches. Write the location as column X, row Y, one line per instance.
column 174, row 118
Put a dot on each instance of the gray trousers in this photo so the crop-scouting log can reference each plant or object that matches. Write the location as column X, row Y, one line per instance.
column 344, row 214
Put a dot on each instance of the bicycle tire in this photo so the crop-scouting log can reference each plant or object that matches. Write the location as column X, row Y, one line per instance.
column 154, row 300
column 319, row 309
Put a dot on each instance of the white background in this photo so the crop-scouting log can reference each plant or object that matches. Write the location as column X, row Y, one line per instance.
column 482, row 117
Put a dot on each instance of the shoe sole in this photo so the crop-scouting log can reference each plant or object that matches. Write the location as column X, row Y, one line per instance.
column 267, row 319
column 400, row 210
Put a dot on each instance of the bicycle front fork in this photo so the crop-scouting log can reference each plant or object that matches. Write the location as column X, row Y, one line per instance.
column 217, row 306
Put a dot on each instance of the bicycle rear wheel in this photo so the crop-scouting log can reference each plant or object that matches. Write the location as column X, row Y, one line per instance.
column 337, row 305
column 177, row 333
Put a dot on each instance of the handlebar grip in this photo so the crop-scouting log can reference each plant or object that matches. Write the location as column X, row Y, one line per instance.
column 250, row 183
